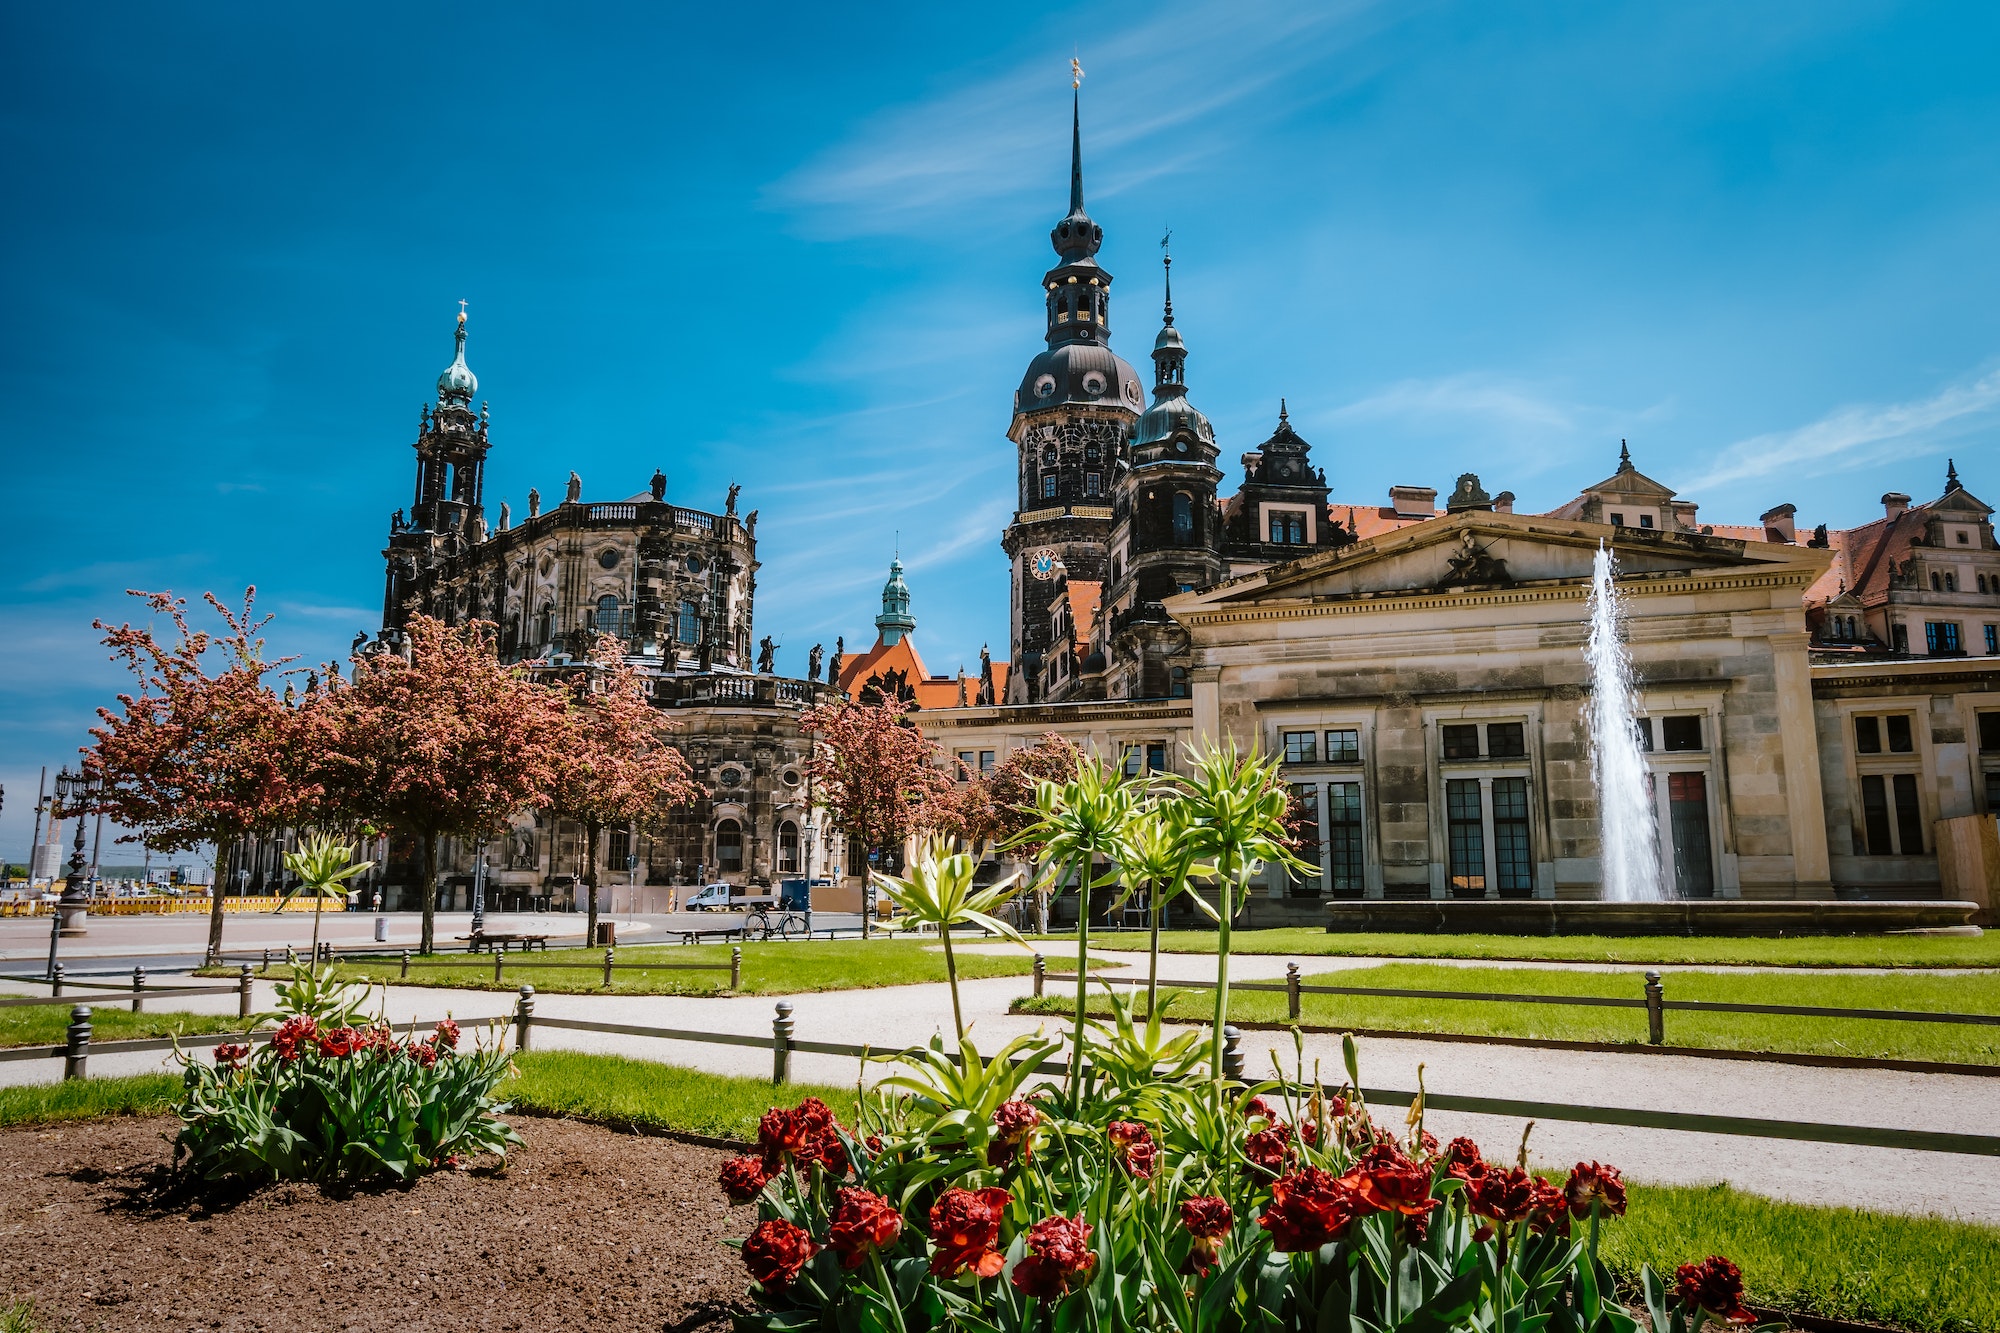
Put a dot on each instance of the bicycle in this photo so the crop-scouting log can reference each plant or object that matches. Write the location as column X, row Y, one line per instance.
column 789, row 926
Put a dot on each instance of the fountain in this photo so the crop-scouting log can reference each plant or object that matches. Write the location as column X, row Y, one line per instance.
column 1632, row 900
column 1627, row 831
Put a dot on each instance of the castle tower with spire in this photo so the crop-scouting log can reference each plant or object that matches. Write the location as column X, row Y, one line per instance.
column 1072, row 415
column 895, row 620
column 1165, row 531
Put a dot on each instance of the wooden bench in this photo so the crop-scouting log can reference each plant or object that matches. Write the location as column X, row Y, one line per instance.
column 695, row 934
column 481, row 940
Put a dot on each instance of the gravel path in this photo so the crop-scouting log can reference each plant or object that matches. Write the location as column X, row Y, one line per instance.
column 1881, row 1178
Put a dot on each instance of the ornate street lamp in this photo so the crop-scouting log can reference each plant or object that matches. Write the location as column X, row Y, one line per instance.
column 811, row 832
column 75, row 793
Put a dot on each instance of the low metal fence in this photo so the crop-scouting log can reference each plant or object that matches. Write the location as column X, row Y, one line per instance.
column 406, row 959
column 1654, row 1002
column 142, row 991
column 783, row 1043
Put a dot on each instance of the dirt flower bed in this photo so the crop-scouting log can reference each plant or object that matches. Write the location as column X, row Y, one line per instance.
column 586, row 1229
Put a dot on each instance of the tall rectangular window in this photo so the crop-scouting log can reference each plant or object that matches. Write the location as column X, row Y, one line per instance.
column 1343, row 839
column 1306, row 885
column 1156, row 756
column 1687, row 818
column 1506, row 740
column 1301, row 747
column 1465, row 832
column 1992, row 640
column 1461, row 741
column 1134, row 757
column 1513, row 868
column 986, row 761
column 1049, row 487
column 1941, row 636
column 1900, row 741
column 1875, row 815
column 1093, row 483
column 1909, row 815
column 690, row 626
column 1868, row 735
column 1343, row 744
column 1989, row 733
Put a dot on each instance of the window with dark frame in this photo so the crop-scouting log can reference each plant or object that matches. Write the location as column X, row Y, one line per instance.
column 1941, row 637
column 1301, row 747
column 1644, row 727
column 1465, row 839
column 1461, row 740
column 1989, row 733
column 1506, row 740
column 1307, row 884
column 1680, row 734
column 1900, row 740
column 1343, row 840
column 1868, row 735
column 1343, row 745
column 1513, row 868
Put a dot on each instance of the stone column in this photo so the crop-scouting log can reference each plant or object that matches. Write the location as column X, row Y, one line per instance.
column 1805, row 804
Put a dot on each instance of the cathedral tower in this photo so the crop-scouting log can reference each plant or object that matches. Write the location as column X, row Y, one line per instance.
column 1072, row 414
column 446, row 513
column 1166, row 530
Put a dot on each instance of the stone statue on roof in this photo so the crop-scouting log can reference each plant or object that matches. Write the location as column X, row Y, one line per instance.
column 659, row 484
column 813, row 660
column 767, row 654
column 575, row 491
column 729, row 505
column 534, row 502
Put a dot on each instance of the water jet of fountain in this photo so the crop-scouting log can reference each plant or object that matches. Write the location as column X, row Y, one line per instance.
column 1626, row 828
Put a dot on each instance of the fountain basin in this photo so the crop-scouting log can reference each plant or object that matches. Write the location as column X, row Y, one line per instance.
column 1693, row 916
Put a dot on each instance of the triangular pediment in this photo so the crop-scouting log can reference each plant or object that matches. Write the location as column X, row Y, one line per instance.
column 1483, row 551
column 1958, row 500
column 1631, row 484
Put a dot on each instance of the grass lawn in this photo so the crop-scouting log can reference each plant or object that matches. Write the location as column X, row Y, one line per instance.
column 1956, row 1043
column 769, row 968
column 47, row 1025
column 1809, row 951
column 1839, row 1263
column 88, row 1098
column 657, row 1096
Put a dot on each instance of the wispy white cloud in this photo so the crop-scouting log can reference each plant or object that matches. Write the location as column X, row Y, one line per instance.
column 1858, row 434
column 987, row 140
column 1464, row 397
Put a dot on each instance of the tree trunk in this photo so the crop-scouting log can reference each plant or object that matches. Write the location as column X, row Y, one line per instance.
column 590, row 832
column 215, row 892
column 428, row 893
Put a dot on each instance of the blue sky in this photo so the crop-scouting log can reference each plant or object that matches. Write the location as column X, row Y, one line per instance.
column 1761, row 242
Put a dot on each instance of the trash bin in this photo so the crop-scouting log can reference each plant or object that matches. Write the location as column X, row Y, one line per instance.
column 381, row 930
column 607, row 934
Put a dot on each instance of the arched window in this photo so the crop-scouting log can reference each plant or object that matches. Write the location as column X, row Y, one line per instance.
column 788, row 848
column 605, row 620
column 1951, row 583
column 546, row 630
column 1982, row 583
column 1183, row 518
column 729, row 847
column 1177, row 683
column 1935, row 585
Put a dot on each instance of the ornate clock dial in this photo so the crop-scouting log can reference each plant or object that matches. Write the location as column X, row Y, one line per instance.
column 1042, row 564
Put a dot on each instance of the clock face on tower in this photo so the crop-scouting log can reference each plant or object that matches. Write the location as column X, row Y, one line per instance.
column 1043, row 563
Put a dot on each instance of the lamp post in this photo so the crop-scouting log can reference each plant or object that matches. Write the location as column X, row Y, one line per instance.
column 479, row 893
column 74, row 792
column 868, row 897
column 811, row 831
column 631, row 886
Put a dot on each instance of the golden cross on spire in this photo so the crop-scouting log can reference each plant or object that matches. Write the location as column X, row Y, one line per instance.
column 1075, row 73
column 461, row 312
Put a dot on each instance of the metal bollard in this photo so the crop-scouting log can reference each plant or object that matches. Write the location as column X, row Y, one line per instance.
column 781, row 1045
column 138, row 990
column 267, row 960
column 76, row 1050
column 1232, row 1053
column 608, row 953
column 736, row 967
column 1656, row 1014
column 1292, row 991
column 243, row 992
column 55, row 982
column 524, row 1016
column 499, row 962
column 1041, row 974
column 406, row 964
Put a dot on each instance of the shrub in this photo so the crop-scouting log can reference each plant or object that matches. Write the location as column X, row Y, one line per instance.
column 337, row 1100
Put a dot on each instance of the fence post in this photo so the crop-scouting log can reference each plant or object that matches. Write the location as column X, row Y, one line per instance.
column 607, row 968
column 736, row 967
column 1232, row 1053
column 524, row 1016
column 1041, row 974
column 138, row 990
column 499, row 961
column 56, row 981
column 267, row 960
column 1656, row 1014
column 243, row 992
column 781, row 1045
column 1292, row 991
column 406, row 964
column 76, row 1050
